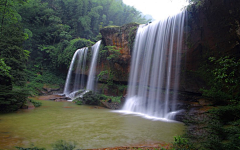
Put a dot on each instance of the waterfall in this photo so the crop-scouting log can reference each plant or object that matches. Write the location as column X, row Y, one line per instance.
column 154, row 74
column 78, row 66
column 92, row 70
column 78, row 62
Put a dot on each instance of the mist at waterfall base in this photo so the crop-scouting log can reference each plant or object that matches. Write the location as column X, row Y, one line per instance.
column 76, row 86
column 154, row 74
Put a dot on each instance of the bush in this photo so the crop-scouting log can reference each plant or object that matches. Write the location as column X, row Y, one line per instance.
column 59, row 145
column 224, row 85
column 35, row 103
column 89, row 98
column 182, row 144
column 116, row 99
column 63, row 145
column 36, row 81
column 11, row 100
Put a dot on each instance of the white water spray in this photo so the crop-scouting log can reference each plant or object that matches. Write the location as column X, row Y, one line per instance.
column 153, row 81
column 78, row 61
column 92, row 70
column 78, row 67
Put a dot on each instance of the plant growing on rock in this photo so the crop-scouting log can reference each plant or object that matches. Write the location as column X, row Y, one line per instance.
column 225, row 84
column 88, row 98
column 114, row 54
column 35, row 103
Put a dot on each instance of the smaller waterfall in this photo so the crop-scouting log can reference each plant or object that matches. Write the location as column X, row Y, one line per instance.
column 78, row 62
column 78, row 67
column 92, row 70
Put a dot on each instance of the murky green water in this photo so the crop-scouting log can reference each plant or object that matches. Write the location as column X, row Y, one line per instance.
column 89, row 127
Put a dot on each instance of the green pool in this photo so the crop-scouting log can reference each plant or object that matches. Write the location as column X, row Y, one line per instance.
column 90, row 127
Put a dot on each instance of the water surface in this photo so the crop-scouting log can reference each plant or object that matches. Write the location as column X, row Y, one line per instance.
column 89, row 126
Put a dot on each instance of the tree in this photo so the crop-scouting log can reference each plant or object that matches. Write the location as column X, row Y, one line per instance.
column 13, row 57
column 8, row 12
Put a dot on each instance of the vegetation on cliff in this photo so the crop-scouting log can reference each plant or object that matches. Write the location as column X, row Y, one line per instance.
column 217, row 49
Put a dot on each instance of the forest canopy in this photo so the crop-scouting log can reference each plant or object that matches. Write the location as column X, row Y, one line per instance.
column 39, row 37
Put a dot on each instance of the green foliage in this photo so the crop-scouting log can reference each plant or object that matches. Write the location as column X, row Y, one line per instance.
column 111, row 53
column 63, row 145
column 11, row 99
column 103, row 97
column 197, row 3
column 44, row 34
column 223, row 126
column 35, row 103
column 223, row 129
column 108, row 83
column 114, row 54
column 88, row 98
column 36, row 81
column 78, row 101
column 91, row 98
column 103, row 54
column 4, row 69
column 107, row 78
column 131, row 38
column 9, row 14
column 63, row 54
column 13, row 57
column 59, row 145
column 62, row 27
column 33, row 148
column 226, row 71
column 182, row 144
column 12, row 52
column 225, row 79
column 116, row 99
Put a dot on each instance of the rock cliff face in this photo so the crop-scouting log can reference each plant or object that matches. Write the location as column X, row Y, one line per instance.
column 212, row 29
column 122, row 38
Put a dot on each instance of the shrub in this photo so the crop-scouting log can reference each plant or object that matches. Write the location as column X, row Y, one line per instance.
column 35, row 103
column 182, row 144
column 89, row 98
column 34, row 148
column 63, row 145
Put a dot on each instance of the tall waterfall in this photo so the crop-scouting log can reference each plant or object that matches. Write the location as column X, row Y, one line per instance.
column 92, row 70
column 154, row 74
column 78, row 62
column 78, row 66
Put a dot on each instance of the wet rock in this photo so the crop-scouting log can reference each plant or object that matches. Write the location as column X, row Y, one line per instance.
column 111, row 105
column 58, row 100
column 205, row 102
column 46, row 90
column 122, row 38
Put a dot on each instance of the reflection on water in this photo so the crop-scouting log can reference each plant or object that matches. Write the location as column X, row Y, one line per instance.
column 88, row 126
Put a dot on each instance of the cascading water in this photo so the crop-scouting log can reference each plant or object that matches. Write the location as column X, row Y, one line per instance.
column 78, row 61
column 153, row 81
column 92, row 70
